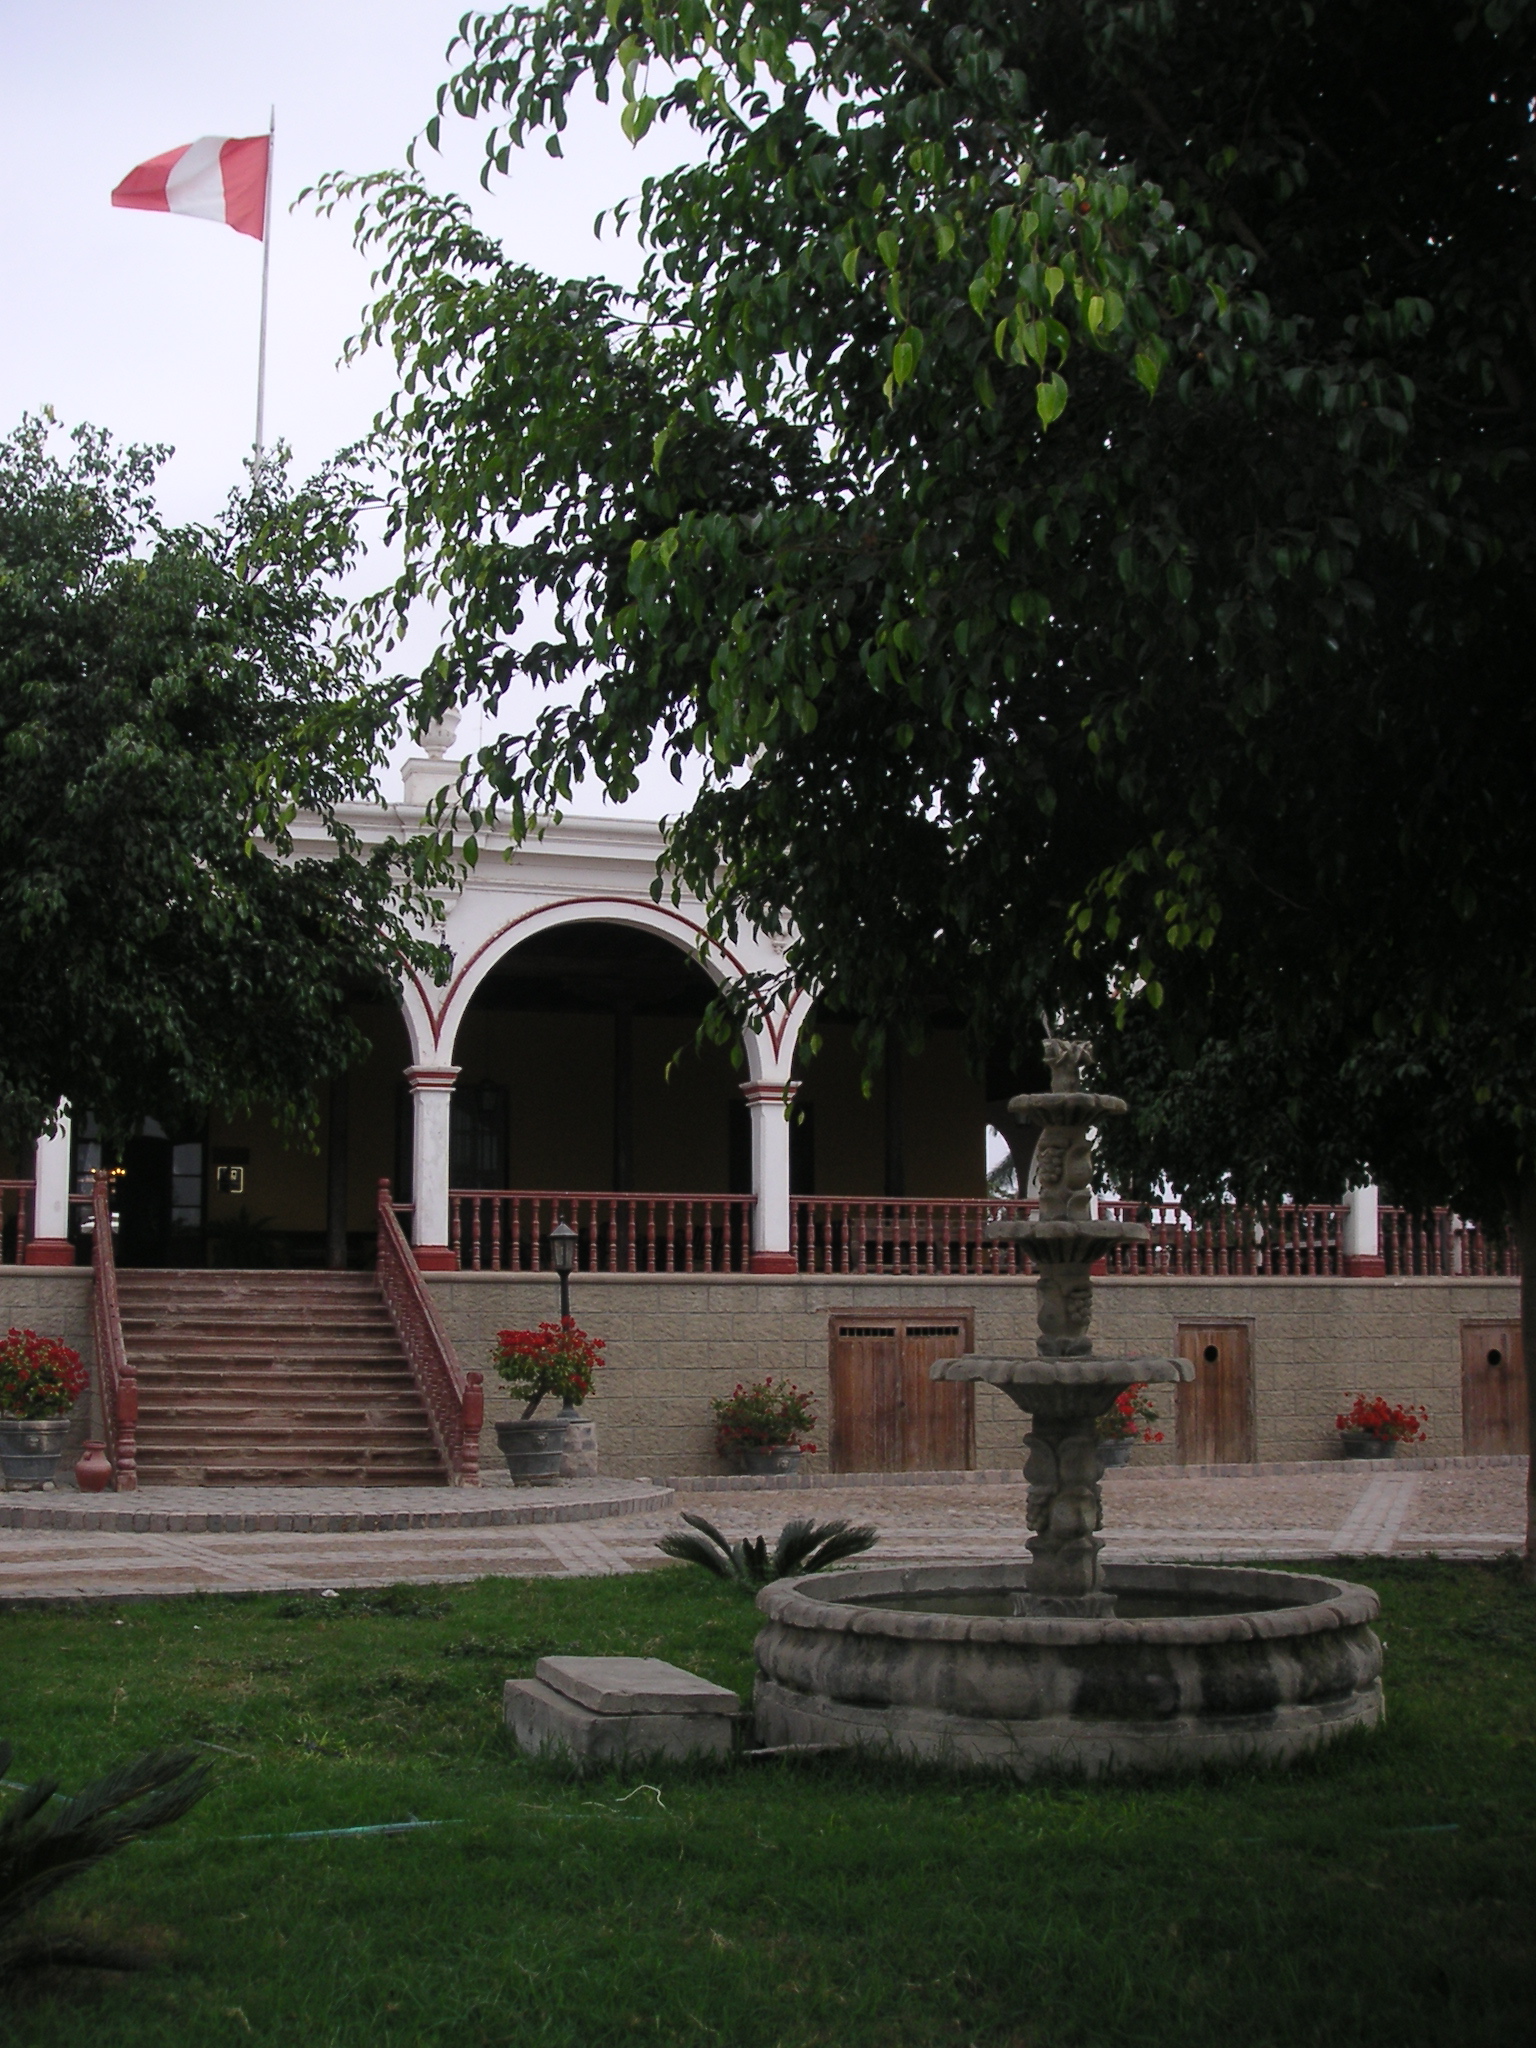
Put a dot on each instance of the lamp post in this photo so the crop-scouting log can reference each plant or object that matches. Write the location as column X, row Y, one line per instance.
column 563, row 1243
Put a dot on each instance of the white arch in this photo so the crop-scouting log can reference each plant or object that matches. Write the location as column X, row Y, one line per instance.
column 433, row 1019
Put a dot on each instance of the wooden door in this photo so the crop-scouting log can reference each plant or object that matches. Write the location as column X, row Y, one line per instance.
column 1214, row 1411
column 887, row 1414
column 1493, row 1406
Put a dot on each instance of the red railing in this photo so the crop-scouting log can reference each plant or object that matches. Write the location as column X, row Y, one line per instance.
column 1443, row 1246
column 15, row 1221
column 503, row 1230
column 118, row 1381
column 455, row 1400
column 1278, row 1240
column 846, row 1234
column 834, row 1234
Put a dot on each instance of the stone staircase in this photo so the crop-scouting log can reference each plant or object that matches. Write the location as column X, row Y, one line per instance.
column 272, row 1379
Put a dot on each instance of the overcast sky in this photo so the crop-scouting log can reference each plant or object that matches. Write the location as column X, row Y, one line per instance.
column 147, row 323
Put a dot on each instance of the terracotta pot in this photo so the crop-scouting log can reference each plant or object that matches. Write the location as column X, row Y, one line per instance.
column 769, row 1458
column 1360, row 1443
column 93, row 1469
column 30, row 1448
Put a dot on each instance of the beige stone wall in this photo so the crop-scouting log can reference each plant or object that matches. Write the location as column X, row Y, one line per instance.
column 56, row 1302
column 675, row 1342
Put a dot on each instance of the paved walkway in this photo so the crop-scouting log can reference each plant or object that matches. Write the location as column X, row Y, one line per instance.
column 1335, row 1511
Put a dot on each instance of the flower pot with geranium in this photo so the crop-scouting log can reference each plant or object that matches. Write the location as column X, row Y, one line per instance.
column 1126, row 1424
column 1373, row 1428
column 762, row 1428
column 41, row 1379
column 555, row 1359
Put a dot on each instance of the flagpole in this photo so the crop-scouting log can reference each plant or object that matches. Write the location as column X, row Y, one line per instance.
column 266, row 265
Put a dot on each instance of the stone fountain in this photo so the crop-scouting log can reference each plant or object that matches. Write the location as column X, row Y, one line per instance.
column 1067, row 1664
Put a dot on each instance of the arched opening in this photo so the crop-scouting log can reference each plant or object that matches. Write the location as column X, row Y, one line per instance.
column 578, row 1070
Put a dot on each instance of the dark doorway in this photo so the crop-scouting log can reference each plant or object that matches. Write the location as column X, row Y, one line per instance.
column 887, row 1414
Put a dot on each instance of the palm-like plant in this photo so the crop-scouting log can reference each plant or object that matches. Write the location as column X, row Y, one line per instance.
column 803, row 1546
column 39, row 1852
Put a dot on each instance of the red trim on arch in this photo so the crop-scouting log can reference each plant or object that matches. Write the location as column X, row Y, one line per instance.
column 436, row 1016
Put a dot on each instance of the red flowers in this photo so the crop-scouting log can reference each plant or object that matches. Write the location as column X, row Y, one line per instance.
column 1131, row 1416
column 556, row 1358
column 763, row 1416
column 1377, row 1417
column 39, row 1376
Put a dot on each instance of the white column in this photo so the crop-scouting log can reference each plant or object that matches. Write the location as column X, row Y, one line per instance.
column 49, row 1244
column 431, row 1103
column 1362, row 1242
column 768, row 1103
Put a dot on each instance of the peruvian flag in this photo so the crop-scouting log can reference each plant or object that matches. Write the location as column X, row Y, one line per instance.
column 222, row 177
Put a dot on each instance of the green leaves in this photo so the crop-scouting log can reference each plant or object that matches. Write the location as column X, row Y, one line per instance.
column 1051, row 398
column 172, row 703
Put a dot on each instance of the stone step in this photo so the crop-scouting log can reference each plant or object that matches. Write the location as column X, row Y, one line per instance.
column 357, row 1355
column 310, row 1472
column 359, row 1430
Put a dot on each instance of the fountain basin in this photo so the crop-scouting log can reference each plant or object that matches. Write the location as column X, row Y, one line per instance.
column 1208, row 1664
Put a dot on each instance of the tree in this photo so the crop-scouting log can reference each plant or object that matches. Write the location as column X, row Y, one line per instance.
column 161, row 692
column 1065, row 474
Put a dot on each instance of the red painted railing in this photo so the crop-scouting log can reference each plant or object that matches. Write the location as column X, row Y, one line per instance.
column 503, row 1230
column 849, row 1234
column 118, row 1381
column 1278, row 1240
column 15, row 1221
column 455, row 1400
column 1443, row 1246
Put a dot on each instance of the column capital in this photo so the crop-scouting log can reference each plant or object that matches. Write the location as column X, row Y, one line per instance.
column 783, row 1092
column 422, row 1079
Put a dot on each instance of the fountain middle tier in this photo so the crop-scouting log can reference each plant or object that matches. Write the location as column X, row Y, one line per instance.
column 1064, row 1398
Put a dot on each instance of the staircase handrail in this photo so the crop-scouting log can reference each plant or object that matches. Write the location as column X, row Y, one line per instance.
column 118, row 1379
column 455, row 1399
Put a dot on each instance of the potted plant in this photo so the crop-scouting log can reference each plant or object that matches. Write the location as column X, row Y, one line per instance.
column 1373, row 1427
column 558, row 1359
column 1128, row 1422
column 761, row 1428
column 40, row 1381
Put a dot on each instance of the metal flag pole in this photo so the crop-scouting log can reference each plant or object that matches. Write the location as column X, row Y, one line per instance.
column 266, row 265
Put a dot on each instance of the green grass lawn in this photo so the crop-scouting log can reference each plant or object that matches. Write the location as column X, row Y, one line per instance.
column 1380, row 1894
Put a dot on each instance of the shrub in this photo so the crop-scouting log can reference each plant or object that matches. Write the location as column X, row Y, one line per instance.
column 760, row 1417
column 39, row 1376
column 1377, row 1417
column 1132, row 1415
column 803, row 1546
column 556, row 1358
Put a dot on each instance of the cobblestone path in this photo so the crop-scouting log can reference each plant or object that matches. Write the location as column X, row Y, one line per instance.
column 1154, row 1515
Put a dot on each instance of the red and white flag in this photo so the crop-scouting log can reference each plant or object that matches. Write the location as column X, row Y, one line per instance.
column 221, row 177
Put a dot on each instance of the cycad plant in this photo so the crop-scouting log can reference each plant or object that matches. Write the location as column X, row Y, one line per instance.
column 803, row 1546
column 40, row 1851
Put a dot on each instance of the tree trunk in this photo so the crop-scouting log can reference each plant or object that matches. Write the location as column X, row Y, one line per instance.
column 1525, row 1234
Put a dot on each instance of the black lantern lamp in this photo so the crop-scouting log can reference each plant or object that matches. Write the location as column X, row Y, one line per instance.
column 563, row 1243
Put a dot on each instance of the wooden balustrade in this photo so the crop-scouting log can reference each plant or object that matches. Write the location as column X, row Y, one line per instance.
column 16, row 1197
column 1443, row 1246
column 117, row 1379
column 504, row 1230
column 455, row 1399
column 848, row 1234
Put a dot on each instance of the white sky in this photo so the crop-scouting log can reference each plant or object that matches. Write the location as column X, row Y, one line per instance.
column 146, row 323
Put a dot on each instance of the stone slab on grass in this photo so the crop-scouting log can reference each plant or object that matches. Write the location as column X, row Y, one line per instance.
column 544, row 1722
column 634, row 1685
